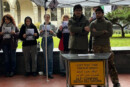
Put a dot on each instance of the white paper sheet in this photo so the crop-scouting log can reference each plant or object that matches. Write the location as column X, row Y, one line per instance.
column 6, row 32
column 30, row 34
column 48, row 27
column 65, row 27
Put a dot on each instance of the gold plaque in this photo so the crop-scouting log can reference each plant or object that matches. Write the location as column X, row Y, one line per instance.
column 87, row 73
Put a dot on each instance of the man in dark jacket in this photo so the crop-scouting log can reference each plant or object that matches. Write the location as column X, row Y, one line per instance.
column 101, row 30
column 78, row 26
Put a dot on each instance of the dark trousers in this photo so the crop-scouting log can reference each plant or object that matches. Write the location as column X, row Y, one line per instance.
column 10, row 58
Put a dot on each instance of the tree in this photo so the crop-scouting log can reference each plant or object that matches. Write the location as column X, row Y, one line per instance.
column 120, row 17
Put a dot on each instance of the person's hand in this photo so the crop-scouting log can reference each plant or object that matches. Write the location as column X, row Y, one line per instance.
column 90, row 20
column 12, row 32
column 60, row 28
column 105, row 31
column 41, row 31
column 24, row 35
column 35, row 34
column 86, row 29
column 94, row 30
column 51, row 31
column 1, row 33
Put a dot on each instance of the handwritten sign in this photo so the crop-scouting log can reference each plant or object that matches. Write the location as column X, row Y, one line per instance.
column 87, row 73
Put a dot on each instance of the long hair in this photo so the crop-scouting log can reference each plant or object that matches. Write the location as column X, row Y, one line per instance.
column 9, row 17
column 29, row 19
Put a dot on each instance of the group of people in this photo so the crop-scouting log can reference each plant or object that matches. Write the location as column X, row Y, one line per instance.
column 73, row 34
column 100, row 30
column 28, row 34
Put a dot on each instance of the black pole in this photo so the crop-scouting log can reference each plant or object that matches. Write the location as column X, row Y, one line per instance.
column 45, row 5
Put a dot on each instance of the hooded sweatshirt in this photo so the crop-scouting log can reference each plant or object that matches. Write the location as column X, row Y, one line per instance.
column 23, row 30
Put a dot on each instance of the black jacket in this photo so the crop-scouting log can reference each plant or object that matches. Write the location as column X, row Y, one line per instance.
column 28, row 42
column 13, row 41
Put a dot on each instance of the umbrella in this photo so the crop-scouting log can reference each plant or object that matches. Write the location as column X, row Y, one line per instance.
column 71, row 3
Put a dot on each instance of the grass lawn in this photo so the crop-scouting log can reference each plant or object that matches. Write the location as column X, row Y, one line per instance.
column 55, row 39
column 116, row 41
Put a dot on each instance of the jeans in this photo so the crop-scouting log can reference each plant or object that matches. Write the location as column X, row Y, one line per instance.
column 10, row 58
column 49, row 54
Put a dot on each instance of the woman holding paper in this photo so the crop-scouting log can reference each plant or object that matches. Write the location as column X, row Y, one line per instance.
column 29, row 34
column 51, row 31
column 63, row 34
column 9, row 34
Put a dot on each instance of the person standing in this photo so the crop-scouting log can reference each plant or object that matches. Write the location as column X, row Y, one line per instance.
column 51, row 31
column 9, row 39
column 63, row 34
column 90, row 20
column 29, row 35
column 79, row 29
column 101, row 30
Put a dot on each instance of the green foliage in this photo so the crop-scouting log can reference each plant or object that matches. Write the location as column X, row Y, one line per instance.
column 55, row 39
column 119, row 15
column 120, row 42
column 116, row 41
column 19, row 25
column 37, row 25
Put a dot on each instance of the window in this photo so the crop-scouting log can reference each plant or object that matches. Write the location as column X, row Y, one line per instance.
column 54, row 15
column 6, row 7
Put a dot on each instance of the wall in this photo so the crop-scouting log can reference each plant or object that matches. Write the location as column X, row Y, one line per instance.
column 122, row 61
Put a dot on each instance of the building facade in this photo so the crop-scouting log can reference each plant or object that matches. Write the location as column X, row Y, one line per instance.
column 20, row 9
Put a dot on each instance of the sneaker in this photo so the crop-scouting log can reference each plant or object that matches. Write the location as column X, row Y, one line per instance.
column 11, row 74
column 34, row 73
column 7, row 74
column 50, row 76
column 98, row 86
column 27, row 74
column 117, row 85
column 63, row 74
column 88, row 86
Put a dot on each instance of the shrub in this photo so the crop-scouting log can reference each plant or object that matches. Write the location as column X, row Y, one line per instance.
column 19, row 25
column 37, row 25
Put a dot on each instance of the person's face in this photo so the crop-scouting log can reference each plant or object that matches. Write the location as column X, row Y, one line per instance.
column 99, row 14
column 28, row 22
column 78, row 12
column 47, row 18
column 65, row 18
column 7, row 20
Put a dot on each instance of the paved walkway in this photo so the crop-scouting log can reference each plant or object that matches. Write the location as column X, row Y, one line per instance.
column 40, row 81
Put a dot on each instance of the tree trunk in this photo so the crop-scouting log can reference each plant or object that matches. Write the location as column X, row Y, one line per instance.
column 123, row 33
column 122, row 29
